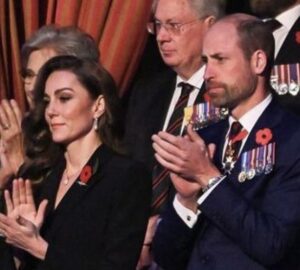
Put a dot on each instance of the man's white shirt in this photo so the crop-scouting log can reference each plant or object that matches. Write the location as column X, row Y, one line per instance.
column 287, row 19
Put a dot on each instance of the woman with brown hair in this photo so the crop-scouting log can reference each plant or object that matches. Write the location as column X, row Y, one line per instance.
column 93, row 205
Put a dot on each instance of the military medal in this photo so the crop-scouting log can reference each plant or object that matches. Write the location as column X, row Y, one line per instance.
column 286, row 79
column 251, row 168
column 294, row 75
column 203, row 114
column 270, row 158
column 294, row 89
column 260, row 160
column 242, row 175
column 283, row 89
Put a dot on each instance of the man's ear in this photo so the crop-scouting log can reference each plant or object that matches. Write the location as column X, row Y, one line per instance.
column 258, row 62
column 99, row 107
column 209, row 21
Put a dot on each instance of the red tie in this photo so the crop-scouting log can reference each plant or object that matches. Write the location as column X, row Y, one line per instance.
column 235, row 138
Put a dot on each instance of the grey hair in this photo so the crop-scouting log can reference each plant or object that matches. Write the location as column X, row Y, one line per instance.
column 203, row 8
column 68, row 40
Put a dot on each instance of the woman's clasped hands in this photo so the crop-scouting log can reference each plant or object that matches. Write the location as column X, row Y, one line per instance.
column 21, row 225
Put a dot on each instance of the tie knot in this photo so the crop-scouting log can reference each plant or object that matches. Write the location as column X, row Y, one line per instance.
column 235, row 128
column 273, row 24
column 186, row 88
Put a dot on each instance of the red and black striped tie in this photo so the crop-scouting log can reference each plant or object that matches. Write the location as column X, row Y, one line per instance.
column 160, row 177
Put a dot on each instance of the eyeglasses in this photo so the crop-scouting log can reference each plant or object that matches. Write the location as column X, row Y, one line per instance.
column 172, row 28
column 27, row 74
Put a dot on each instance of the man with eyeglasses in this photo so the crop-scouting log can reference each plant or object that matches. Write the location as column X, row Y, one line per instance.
column 179, row 27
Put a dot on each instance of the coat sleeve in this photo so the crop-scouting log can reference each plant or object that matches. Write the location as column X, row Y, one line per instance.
column 173, row 241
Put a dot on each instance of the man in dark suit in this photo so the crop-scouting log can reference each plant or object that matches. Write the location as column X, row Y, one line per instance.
column 179, row 27
column 286, row 32
column 238, row 188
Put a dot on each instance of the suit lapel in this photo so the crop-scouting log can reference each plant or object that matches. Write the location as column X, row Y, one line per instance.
column 164, row 97
column 200, row 96
column 270, row 118
column 289, row 52
column 77, row 191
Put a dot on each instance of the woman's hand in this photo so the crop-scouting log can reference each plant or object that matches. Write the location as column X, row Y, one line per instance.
column 11, row 133
column 22, row 223
column 22, row 233
column 22, row 203
column 6, row 171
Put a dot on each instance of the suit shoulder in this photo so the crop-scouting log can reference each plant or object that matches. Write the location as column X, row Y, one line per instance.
column 167, row 76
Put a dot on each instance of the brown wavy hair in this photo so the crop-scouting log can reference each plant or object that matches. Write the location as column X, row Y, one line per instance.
column 40, row 148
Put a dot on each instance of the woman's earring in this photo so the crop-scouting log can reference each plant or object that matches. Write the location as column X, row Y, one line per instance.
column 96, row 124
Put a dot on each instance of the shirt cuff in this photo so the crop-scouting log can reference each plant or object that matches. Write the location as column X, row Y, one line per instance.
column 187, row 215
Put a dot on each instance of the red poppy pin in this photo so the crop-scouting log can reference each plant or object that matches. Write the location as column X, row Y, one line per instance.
column 263, row 136
column 85, row 175
column 297, row 37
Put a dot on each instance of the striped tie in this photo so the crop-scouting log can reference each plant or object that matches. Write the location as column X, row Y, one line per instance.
column 160, row 176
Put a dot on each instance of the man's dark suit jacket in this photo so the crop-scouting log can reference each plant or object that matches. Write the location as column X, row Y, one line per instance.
column 147, row 110
column 100, row 225
column 289, row 53
column 252, row 225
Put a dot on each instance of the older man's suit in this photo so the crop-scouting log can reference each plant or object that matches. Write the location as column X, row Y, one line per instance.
column 289, row 53
column 252, row 225
column 148, row 107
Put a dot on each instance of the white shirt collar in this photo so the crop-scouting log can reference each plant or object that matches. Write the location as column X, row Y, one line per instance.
column 195, row 80
column 249, row 119
column 289, row 17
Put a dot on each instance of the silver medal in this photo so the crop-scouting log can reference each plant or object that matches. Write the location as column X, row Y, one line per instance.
column 250, row 173
column 294, row 88
column 283, row 89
